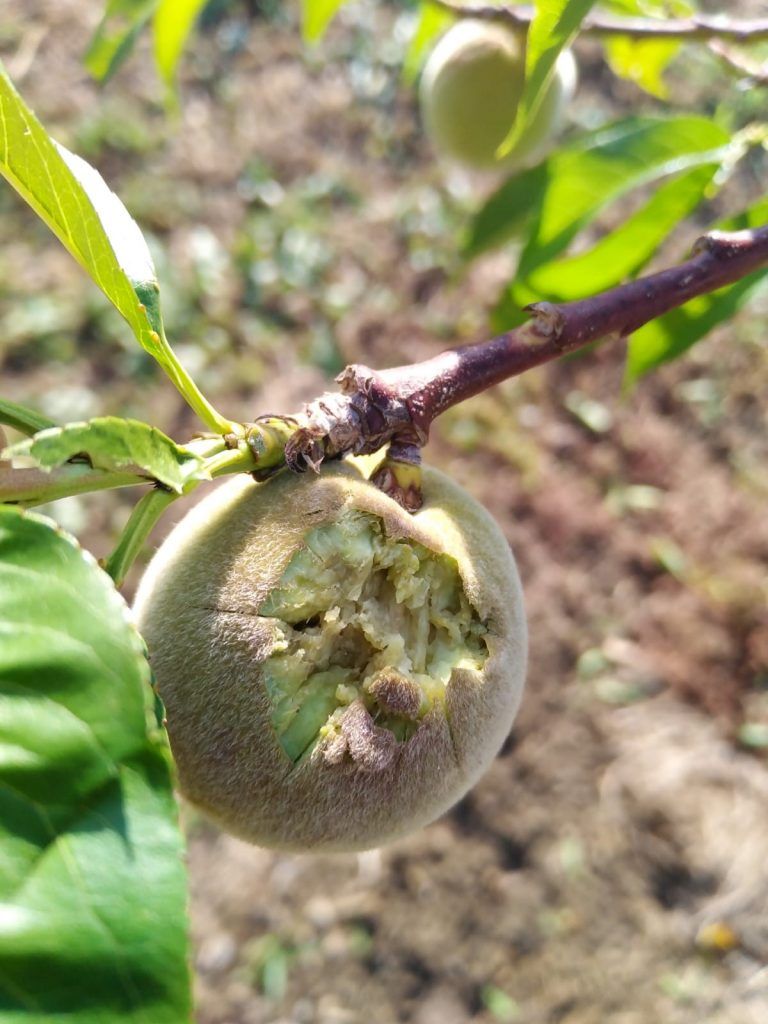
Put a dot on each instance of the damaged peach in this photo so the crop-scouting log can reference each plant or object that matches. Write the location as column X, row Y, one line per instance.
column 335, row 670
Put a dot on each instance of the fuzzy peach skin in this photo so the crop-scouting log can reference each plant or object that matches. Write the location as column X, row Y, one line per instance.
column 336, row 672
column 470, row 90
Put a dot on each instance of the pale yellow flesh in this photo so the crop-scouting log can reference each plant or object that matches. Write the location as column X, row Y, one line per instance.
column 351, row 603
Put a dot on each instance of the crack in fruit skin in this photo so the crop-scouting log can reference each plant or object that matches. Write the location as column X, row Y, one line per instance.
column 366, row 618
column 393, row 747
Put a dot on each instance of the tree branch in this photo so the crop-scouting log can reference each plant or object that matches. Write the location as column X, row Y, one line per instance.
column 740, row 62
column 397, row 406
column 696, row 27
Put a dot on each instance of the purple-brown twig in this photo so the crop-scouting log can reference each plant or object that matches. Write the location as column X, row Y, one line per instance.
column 698, row 27
column 397, row 406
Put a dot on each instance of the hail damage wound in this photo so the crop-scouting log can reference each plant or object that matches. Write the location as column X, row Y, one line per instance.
column 368, row 631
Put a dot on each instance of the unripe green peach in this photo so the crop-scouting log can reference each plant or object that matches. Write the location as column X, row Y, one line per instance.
column 335, row 671
column 470, row 90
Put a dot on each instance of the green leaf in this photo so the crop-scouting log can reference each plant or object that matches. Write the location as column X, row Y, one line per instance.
column 433, row 21
column 115, row 446
column 172, row 25
column 116, row 35
column 554, row 26
column 617, row 256
column 668, row 337
column 555, row 200
column 511, row 210
column 92, row 883
column 316, row 16
column 26, row 421
column 642, row 61
column 77, row 205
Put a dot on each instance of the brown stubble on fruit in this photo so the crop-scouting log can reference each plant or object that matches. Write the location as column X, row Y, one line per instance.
column 396, row 693
column 371, row 747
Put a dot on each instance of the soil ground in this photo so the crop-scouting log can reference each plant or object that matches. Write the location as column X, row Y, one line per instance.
column 612, row 866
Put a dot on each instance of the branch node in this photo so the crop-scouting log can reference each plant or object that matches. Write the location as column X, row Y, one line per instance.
column 721, row 244
column 354, row 377
column 702, row 244
column 304, row 450
column 550, row 319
